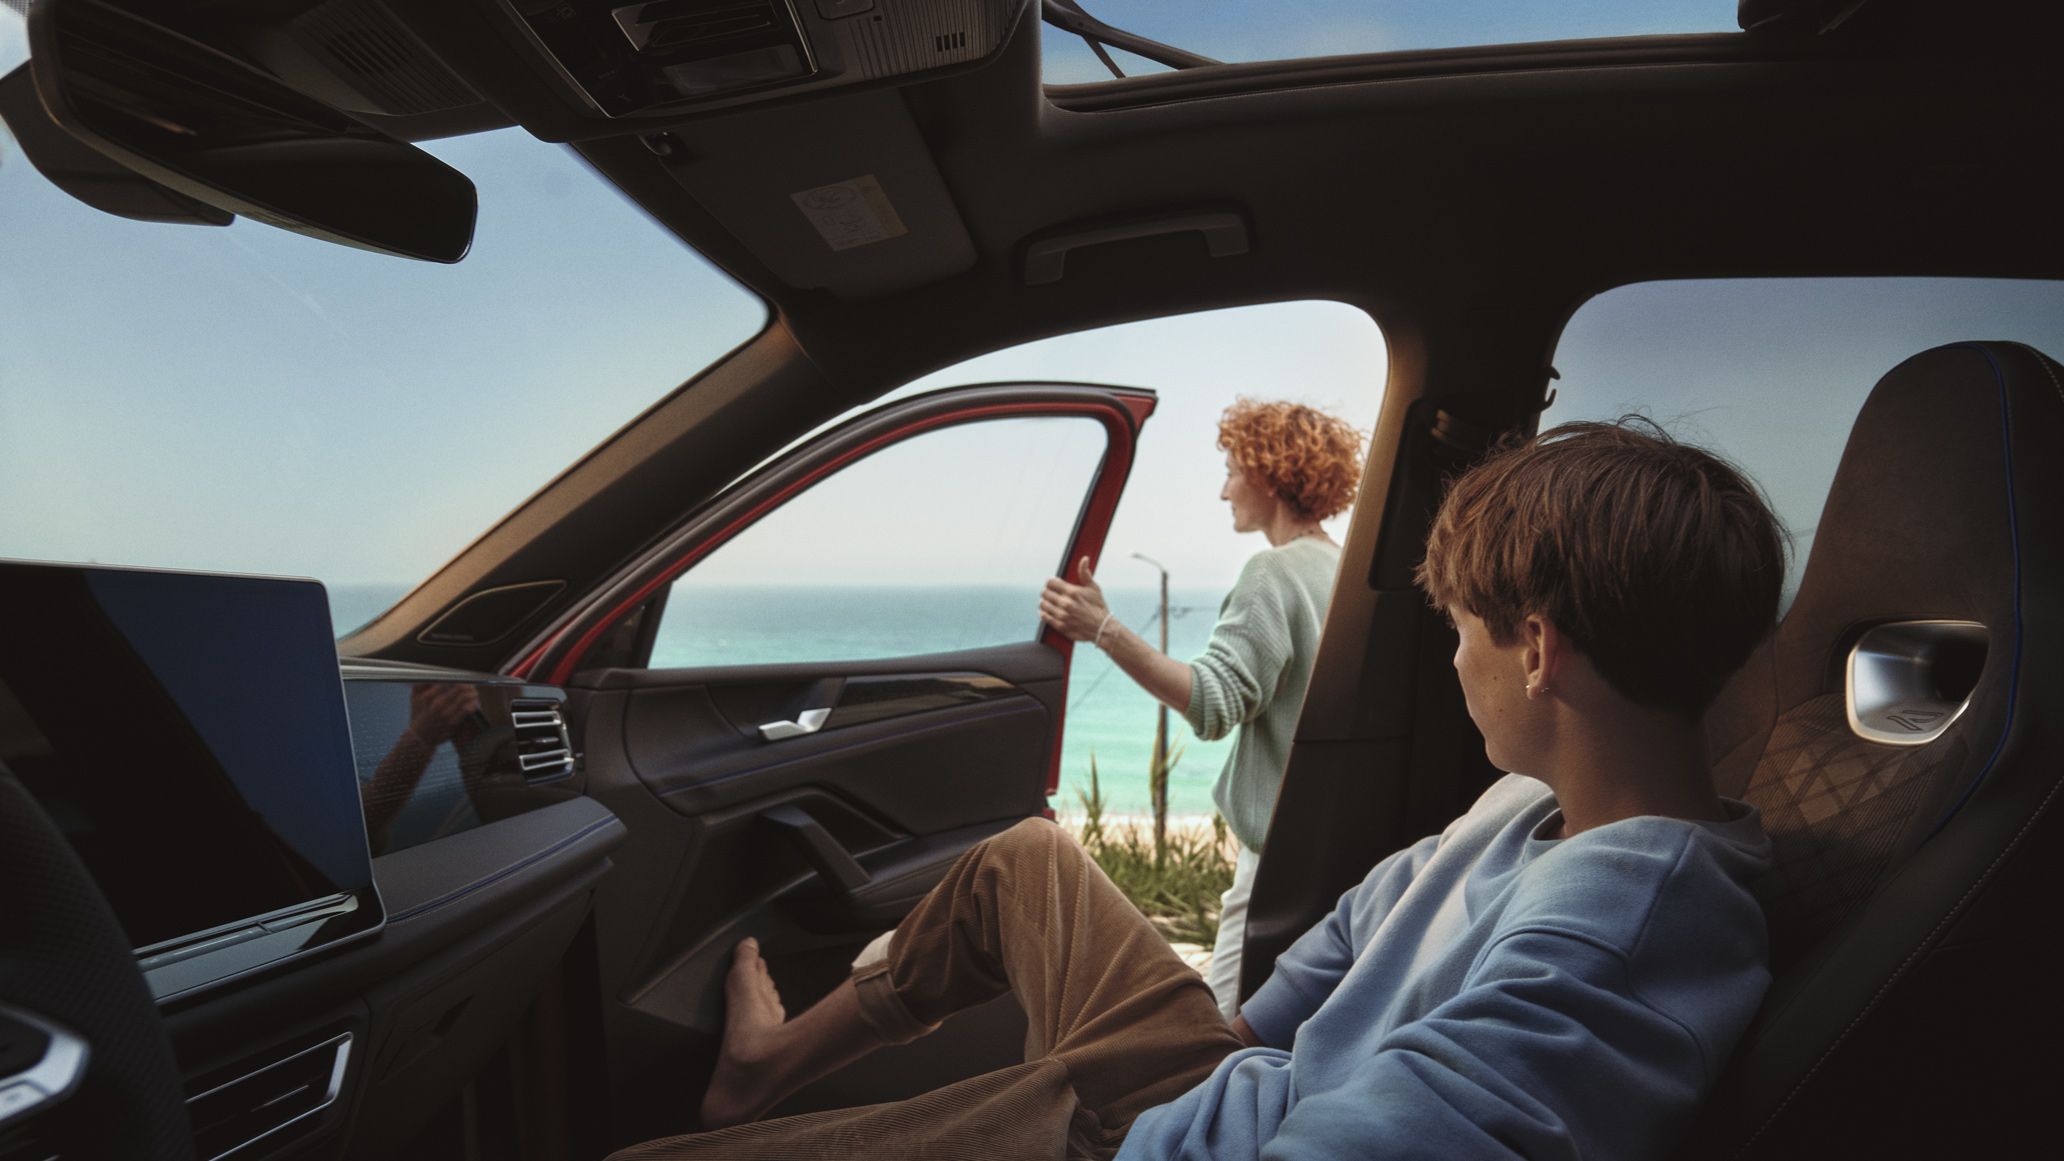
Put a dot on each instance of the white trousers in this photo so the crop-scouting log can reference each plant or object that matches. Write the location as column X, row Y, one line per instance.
column 1224, row 976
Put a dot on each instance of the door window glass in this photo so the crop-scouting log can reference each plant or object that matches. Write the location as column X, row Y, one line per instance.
column 1771, row 372
column 936, row 543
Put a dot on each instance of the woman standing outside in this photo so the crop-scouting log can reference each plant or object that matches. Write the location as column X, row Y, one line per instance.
column 1287, row 468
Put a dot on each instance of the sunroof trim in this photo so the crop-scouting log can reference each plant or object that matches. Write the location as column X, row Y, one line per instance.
column 1265, row 76
column 1252, row 34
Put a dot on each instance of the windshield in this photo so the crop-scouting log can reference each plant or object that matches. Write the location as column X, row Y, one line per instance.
column 244, row 399
column 1311, row 28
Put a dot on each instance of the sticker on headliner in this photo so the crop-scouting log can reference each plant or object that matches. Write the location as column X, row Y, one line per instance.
column 851, row 213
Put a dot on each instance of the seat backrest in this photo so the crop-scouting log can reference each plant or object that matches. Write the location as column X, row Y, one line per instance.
column 1917, row 835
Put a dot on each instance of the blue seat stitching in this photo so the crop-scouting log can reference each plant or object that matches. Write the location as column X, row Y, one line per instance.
column 2014, row 541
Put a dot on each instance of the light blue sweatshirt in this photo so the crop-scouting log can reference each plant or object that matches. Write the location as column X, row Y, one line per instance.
column 1490, row 993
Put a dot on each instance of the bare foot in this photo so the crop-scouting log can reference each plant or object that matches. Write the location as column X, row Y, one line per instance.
column 753, row 1019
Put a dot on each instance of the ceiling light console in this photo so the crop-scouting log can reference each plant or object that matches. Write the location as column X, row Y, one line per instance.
column 659, row 55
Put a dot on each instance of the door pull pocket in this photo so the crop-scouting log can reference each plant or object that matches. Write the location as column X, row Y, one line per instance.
column 833, row 863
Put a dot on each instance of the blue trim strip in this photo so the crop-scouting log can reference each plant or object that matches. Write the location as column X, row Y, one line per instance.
column 2014, row 539
column 505, row 872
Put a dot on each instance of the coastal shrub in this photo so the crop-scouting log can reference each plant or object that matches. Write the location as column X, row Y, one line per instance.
column 1177, row 886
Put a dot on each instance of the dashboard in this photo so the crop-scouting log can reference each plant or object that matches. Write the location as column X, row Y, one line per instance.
column 346, row 883
column 439, row 752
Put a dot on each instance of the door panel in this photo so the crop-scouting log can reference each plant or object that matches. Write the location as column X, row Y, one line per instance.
column 927, row 743
column 810, row 804
column 811, row 844
column 836, row 832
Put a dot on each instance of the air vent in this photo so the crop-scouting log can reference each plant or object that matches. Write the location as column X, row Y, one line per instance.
column 370, row 51
column 260, row 1107
column 667, row 25
column 543, row 748
column 949, row 41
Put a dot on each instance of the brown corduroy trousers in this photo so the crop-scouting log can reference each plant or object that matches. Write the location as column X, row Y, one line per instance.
column 1116, row 1022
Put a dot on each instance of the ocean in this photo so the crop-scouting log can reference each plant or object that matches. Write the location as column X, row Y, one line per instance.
column 1109, row 717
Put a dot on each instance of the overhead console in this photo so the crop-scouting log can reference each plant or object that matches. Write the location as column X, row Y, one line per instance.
column 187, row 734
column 661, row 55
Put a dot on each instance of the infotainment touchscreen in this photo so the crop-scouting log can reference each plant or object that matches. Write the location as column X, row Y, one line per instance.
column 187, row 733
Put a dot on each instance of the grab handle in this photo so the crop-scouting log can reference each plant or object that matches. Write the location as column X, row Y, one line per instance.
column 833, row 862
column 1225, row 234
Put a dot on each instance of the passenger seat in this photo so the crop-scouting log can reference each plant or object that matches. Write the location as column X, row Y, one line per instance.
column 1903, row 736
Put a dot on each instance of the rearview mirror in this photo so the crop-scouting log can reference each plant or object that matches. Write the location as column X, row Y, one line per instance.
column 225, row 134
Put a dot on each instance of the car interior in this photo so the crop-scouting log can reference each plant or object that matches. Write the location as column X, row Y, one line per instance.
column 206, row 962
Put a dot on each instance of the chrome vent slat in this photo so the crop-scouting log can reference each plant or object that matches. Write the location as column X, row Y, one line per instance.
column 544, row 749
column 244, row 1116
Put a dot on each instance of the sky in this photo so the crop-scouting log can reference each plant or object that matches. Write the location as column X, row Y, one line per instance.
column 1771, row 372
column 246, row 399
column 1013, row 488
column 1324, row 354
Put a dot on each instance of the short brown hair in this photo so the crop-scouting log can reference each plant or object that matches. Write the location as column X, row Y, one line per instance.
column 1660, row 561
column 1310, row 459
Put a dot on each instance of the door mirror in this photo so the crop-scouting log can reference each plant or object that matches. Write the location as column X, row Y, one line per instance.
column 225, row 134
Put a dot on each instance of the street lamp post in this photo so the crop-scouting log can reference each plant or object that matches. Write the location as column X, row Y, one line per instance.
column 1157, row 775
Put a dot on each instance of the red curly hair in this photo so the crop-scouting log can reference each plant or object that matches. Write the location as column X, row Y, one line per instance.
column 1310, row 459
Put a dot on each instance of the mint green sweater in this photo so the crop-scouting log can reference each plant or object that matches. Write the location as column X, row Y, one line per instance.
column 1254, row 672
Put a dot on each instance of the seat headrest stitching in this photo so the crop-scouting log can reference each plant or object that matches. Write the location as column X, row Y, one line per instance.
column 2014, row 545
column 2013, row 687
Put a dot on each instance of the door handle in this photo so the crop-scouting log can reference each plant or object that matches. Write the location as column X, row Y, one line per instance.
column 807, row 722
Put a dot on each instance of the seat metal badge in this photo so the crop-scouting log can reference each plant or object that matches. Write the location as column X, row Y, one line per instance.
column 1908, row 681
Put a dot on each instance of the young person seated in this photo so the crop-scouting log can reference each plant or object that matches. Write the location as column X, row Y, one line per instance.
column 1560, row 973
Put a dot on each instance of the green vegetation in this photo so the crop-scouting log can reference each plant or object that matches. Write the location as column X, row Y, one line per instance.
column 1175, row 882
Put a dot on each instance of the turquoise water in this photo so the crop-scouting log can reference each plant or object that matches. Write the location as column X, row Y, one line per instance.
column 1108, row 716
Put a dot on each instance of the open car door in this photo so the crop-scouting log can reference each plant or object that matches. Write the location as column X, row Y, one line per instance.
column 826, row 685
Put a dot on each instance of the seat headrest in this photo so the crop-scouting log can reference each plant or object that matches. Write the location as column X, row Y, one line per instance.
column 1927, row 521
column 1917, row 522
